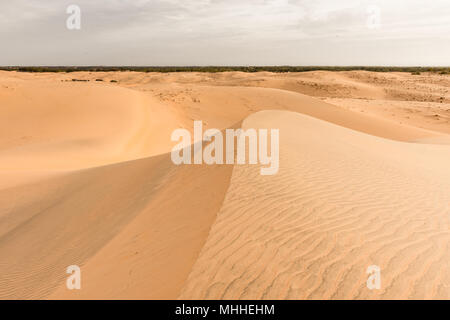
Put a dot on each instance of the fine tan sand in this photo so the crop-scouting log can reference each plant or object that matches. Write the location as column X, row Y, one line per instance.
column 86, row 179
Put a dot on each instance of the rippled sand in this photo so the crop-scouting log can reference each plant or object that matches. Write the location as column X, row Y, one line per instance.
column 86, row 179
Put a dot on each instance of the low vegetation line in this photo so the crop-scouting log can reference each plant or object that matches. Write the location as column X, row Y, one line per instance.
column 213, row 69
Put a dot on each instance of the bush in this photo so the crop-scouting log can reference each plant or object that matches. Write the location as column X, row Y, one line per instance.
column 213, row 69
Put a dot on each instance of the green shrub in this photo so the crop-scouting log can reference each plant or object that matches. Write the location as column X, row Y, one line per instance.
column 214, row 69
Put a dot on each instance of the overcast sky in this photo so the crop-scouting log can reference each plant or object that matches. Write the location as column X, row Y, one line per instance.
column 226, row 32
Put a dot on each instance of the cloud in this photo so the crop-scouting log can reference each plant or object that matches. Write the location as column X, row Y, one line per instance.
column 150, row 32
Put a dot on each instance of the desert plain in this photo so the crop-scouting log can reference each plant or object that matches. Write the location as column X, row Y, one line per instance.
column 86, row 179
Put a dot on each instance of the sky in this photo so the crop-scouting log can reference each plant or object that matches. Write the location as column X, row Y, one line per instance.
column 226, row 32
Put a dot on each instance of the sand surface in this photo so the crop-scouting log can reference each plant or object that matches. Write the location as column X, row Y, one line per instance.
column 86, row 179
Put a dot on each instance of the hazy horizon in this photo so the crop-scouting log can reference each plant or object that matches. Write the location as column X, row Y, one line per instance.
column 222, row 66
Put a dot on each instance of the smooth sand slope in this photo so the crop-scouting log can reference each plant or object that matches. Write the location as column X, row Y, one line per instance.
column 86, row 179
column 147, row 218
column 73, row 126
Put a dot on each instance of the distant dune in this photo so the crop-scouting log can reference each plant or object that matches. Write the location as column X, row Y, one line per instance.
column 86, row 179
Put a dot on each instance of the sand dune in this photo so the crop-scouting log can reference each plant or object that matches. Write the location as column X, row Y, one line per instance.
column 342, row 201
column 86, row 179
column 73, row 126
column 133, row 213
